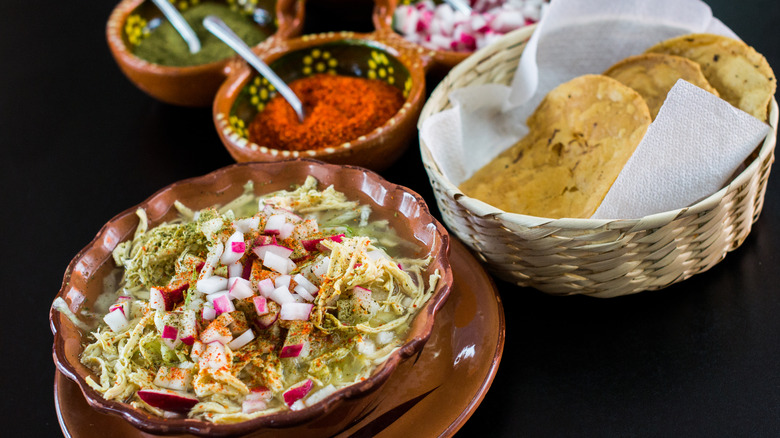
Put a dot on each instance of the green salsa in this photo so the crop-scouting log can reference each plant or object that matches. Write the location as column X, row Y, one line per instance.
column 165, row 46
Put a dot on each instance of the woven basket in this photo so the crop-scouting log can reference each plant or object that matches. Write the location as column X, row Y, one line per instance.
column 601, row 258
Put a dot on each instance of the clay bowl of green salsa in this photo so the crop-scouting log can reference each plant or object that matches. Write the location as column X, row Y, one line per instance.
column 343, row 380
column 156, row 59
column 374, row 84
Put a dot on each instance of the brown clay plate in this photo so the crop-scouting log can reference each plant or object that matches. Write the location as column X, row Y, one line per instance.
column 432, row 394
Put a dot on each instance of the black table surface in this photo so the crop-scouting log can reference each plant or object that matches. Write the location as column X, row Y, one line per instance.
column 80, row 144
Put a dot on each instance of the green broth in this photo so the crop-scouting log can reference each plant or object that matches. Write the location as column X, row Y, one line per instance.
column 165, row 46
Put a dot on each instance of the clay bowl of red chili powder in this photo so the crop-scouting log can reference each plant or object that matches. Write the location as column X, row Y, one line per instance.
column 362, row 94
column 156, row 59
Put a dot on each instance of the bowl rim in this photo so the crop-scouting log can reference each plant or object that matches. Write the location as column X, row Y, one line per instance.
column 286, row 28
column 239, row 78
column 288, row 418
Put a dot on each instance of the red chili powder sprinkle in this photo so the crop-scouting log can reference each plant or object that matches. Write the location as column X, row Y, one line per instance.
column 338, row 109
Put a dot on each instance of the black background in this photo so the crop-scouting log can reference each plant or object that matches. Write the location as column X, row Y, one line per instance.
column 80, row 144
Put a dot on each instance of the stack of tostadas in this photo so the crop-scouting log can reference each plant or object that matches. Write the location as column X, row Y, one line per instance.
column 585, row 130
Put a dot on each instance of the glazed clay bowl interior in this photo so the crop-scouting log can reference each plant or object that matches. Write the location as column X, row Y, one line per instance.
column 194, row 86
column 405, row 210
column 245, row 93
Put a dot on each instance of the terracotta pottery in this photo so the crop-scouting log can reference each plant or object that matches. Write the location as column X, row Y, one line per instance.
column 193, row 86
column 406, row 212
column 377, row 56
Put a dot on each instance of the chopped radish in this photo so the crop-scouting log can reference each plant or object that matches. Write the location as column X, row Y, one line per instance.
column 321, row 267
column 246, row 225
column 267, row 320
column 167, row 400
column 223, row 304
column 277, row 263
column 265, row 286
column 281, row 295
column 211, row 297
column 298, row 391
column 208, row 313
column 235, row 270
column 241, row 288
column 310, row 287
column 295, row 311
column 156, row 299
column 189, row 327
column 274, row 248
column 234, row 248
column 212, row 284
column 286, row 230
column 440, row 27
column 274, row 224
column 282, row 281
column 261, row 305
column 320, row 395
column 123, row 307
column 303, row 293
column 169, row 333
column 116, row 320
column 242, row 340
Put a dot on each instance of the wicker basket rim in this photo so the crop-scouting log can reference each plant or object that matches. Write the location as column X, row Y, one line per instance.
column 481, row 209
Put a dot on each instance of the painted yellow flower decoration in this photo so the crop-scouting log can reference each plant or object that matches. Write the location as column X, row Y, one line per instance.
column 183, row 5
column 239, row 126
column 379, row 68
column 260, row 91
column 407, row 86
column 245, row 7
column 319, row 61
column 135, row 29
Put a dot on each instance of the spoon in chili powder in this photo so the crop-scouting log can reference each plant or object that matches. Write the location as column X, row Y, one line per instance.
column 224, row 33
column 180, row 24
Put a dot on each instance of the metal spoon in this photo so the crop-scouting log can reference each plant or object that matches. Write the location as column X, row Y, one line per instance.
column 224, row 33
column 459, row 5
column 180, row 24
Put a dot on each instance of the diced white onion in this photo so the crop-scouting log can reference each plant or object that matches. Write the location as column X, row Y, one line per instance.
column 295, row 311
column 242, row 340
column 212, row 284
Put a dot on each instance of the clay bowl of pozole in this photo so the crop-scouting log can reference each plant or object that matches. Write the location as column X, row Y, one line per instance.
column 254, row 299
column 154, row 56
column 362, row 94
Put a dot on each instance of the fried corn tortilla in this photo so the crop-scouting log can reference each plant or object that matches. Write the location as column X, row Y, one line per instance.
column 652, row 75
column 581, row 136
column 741, row 75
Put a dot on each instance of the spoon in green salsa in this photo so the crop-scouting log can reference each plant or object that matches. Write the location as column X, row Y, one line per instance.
column 180, row 24
column 223, row 32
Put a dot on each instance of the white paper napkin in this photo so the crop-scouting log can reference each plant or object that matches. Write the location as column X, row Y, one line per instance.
column 685, row 156
column 574, row 37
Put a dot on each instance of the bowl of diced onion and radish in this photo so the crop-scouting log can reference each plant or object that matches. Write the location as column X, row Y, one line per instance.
column 259, row 296
column 447, row 32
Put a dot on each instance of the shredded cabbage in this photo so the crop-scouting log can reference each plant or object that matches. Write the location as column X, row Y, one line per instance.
column 361, row 309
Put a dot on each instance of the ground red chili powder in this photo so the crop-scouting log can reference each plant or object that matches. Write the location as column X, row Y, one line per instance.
column 338, row 109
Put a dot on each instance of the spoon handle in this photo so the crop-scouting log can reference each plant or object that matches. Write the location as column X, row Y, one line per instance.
column 224, row 33
column 180, row 24
column 459, row 5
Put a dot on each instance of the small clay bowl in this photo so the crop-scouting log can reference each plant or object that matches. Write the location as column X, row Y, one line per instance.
column 440, row 61
column 245, row 93
column 192, row 86
column 406, row 212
